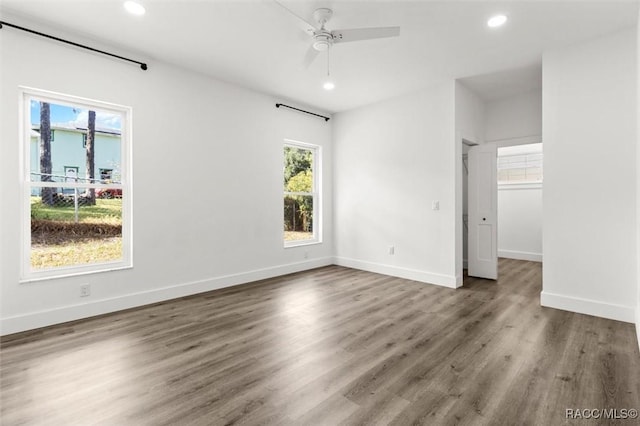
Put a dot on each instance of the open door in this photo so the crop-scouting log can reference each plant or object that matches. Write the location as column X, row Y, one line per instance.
column 483, row 212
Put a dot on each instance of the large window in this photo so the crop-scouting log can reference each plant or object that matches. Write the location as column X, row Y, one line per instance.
column 520, row 164
column 76, row 188
column 301, row 203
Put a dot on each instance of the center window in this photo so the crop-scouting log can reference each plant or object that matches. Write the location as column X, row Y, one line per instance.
column 301, row 204
column 76, row 186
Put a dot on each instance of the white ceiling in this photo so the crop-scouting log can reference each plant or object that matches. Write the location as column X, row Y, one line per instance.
column 256, row 44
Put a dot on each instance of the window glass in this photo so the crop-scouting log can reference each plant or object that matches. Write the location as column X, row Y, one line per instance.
column 520, row 164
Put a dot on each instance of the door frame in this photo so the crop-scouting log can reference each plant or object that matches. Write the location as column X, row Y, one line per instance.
column 461, row 140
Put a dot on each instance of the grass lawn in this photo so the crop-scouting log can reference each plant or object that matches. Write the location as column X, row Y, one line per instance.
column 56, row 240
column 105, row 211
column 79, row 252
column 297, row 235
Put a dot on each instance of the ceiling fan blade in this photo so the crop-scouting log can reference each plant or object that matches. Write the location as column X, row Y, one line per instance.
column 310, row 56
column 357, row 34
column 302, row 23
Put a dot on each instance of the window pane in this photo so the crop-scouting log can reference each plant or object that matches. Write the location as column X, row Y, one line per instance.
column 298, row 217
column 298, row 169
column 534, row 174
column 69, row 229
column 520, row 168
column 64, row 146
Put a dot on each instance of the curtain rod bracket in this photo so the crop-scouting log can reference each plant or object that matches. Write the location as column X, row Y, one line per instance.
column 82, row 46
column 306, row 112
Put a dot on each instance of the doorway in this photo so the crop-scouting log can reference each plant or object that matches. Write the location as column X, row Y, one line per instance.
column 519, row 201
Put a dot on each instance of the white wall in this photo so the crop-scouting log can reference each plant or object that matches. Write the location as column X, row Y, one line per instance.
column 589, row 219
column 207, row 177
column 638, row 178
column 520, row 221
column 514, row 120
column 392, row 159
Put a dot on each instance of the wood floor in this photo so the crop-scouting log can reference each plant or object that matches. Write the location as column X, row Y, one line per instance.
column 326, row 347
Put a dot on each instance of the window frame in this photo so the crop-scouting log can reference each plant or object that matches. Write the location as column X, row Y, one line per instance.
column 27, row 274
column 527, row 164
column 316, row 154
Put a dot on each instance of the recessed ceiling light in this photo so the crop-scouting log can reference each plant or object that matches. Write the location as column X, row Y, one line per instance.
column 328, row 85
column 497, row 21
column 134, row 8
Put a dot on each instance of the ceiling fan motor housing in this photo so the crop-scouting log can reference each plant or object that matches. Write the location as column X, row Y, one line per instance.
column 322, row 15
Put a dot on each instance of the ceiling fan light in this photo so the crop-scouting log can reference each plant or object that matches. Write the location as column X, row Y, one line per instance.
column 321, row 45
column 134, row 8
column 497, row 21
column 328, row 85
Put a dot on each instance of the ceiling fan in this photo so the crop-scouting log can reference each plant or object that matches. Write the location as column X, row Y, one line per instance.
column 323, row 38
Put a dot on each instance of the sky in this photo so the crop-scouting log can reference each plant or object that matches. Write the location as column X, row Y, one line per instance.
column 76, row 117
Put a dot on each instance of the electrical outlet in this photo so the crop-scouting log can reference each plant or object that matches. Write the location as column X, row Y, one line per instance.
column 85, row 290
column 392, row 250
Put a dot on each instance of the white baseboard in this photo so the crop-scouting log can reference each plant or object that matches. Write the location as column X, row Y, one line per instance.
column 589, row 307
column 450, row 281
column 520, row 255
column 459, row 280
column 638, row 325
column 45, row 318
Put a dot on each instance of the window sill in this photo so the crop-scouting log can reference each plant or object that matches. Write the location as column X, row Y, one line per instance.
column 301, row 243
column 49, row 275
column 523, row 185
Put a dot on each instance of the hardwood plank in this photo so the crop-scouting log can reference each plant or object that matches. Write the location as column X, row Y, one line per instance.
column 328, row 346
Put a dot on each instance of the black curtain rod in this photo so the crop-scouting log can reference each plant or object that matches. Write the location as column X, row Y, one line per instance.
column 2, row 23
column 301, row 110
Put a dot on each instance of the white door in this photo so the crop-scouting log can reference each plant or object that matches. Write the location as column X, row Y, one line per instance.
column 483, row 212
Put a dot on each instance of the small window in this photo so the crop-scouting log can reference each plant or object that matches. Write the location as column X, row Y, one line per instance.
column 520, row 164
column 105, row 175
column 301, row 200
column 75, row 219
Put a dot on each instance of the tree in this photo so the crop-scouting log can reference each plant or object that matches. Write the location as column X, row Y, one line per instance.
column 91, row 157
column 302, row 182
column 45, row 154
column 298, row 177
column 296, row 160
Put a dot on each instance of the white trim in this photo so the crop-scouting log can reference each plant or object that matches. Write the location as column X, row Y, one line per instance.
column 74, row 271
column 522, row 140
column 638, row 325
column 520, row 255
column 300, row 243
column 588, row 307
column 449, row 281
column 63, row 314
column 459, row 280
column 507, row 186
column 80, row 185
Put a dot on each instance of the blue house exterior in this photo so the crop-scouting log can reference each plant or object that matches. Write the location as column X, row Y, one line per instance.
column 68, row 155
